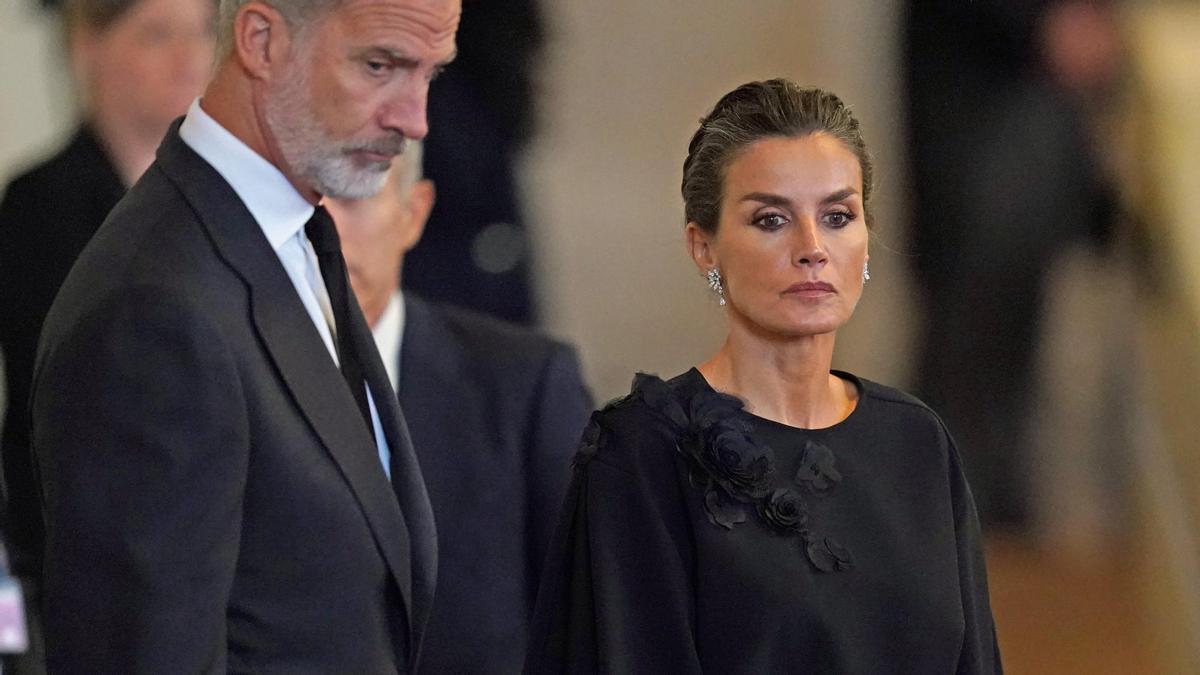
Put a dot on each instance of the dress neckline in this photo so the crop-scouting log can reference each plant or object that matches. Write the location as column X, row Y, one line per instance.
column 701, row 382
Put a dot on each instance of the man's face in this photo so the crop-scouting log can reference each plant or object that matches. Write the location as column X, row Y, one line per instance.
column 355, row 88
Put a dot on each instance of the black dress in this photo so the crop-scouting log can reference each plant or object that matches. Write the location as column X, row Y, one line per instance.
column 697, row 537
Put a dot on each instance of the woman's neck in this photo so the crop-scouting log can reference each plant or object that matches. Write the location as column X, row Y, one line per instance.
column 784, row 379
column 130, row 147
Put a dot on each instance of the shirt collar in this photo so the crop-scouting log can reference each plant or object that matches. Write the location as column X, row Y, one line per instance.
column 279, row 209
column 389, row 334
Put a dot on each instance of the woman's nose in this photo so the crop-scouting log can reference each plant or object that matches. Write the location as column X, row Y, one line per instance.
column 807, row 247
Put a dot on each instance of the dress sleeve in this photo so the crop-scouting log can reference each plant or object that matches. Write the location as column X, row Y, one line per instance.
column 616, row 594
column 563, row 405
column 980, row 650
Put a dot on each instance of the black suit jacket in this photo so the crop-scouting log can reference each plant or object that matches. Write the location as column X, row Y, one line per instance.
column 46, row 218
column 212, row 498
column 495, row 412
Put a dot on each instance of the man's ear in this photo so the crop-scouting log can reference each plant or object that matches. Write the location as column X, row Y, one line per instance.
column 261, row 39
column 419, row 203
column 700, row 248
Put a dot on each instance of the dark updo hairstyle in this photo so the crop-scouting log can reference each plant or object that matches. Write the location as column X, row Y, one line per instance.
column 772, row 109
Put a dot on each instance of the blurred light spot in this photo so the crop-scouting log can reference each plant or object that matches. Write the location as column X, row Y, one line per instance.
column 498, row 248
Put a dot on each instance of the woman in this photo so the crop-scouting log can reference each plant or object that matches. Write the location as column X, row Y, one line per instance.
column 137, row 64
column 762, row 513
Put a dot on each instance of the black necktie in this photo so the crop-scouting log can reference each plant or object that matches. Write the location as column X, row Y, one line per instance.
column 324, row 237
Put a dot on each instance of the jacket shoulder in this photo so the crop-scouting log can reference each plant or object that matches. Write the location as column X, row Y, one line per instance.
column 505, row 340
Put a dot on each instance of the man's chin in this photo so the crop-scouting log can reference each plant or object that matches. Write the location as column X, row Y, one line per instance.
column 362, row 184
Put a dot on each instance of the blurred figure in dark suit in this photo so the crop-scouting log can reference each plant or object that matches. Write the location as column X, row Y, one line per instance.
column 494, row 410
column 1005, row 179
column 138, row 64
column 476, row 252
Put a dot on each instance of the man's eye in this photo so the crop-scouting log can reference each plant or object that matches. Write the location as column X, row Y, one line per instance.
column 377, row 66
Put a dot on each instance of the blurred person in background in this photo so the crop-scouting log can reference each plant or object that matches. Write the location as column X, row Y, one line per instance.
column 137, row 65
column 1006, row 178
column 763, row 513
column 476, row 252
column 494, row 410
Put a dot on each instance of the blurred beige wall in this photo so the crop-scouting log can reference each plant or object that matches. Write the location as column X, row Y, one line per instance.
column 36, row 109
column 625, row 84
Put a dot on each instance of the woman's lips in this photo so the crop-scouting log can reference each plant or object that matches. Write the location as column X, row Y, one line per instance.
column 810, row 289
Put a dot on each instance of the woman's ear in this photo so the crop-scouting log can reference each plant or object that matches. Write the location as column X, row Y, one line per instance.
column 700, row 245
column 418, row 204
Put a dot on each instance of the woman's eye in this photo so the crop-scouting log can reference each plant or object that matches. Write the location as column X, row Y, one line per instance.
column 839, row 218
column 770, row 221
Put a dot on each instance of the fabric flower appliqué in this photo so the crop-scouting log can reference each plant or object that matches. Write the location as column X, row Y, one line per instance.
column 816, row 468
column 734, row 470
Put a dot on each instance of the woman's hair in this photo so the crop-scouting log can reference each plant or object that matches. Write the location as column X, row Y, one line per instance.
column 94, row 15
column 772, row 109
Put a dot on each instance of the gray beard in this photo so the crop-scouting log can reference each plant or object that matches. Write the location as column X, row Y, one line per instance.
column 315, row 157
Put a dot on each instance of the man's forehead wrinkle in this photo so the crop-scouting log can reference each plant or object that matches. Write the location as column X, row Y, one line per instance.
column 397, row 24
column 435, row 23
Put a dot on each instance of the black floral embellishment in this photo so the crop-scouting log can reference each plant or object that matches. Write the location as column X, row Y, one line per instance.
column 590, row 443
column 784, row 509
column 733, row 469
column 816, row 468
column 827, row 556
column 735, row 461
column 661, row 398
column 722, row 509
column 710, row 408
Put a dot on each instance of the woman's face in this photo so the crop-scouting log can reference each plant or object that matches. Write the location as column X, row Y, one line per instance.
column 151, row 62
column 791, row 242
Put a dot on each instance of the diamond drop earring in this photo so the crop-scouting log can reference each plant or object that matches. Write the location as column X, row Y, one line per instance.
column 714, row 282
column 866, row 272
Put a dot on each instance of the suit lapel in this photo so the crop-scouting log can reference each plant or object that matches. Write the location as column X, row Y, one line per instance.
column 299, row 354
column 407, row 481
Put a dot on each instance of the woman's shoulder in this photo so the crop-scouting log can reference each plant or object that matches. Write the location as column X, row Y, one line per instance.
column 911, row 420
column 892, row 401
column 643, row 425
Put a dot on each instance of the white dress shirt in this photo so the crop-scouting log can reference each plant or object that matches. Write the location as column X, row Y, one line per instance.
column 281, row 213
column 389, row 333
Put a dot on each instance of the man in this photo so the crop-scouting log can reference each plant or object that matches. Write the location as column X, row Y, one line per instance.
column 138, row 64
column 216, row 492
column 1000, row 87
column 495, row 412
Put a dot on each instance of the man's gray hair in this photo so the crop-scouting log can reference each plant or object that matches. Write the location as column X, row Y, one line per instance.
column 297, row 13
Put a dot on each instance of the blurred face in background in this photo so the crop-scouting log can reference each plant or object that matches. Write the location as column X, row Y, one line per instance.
column 145, row 68
column 791, row 241
column 377, row 231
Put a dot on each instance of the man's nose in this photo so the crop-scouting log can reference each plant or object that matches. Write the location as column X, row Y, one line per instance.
column 405, row 112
